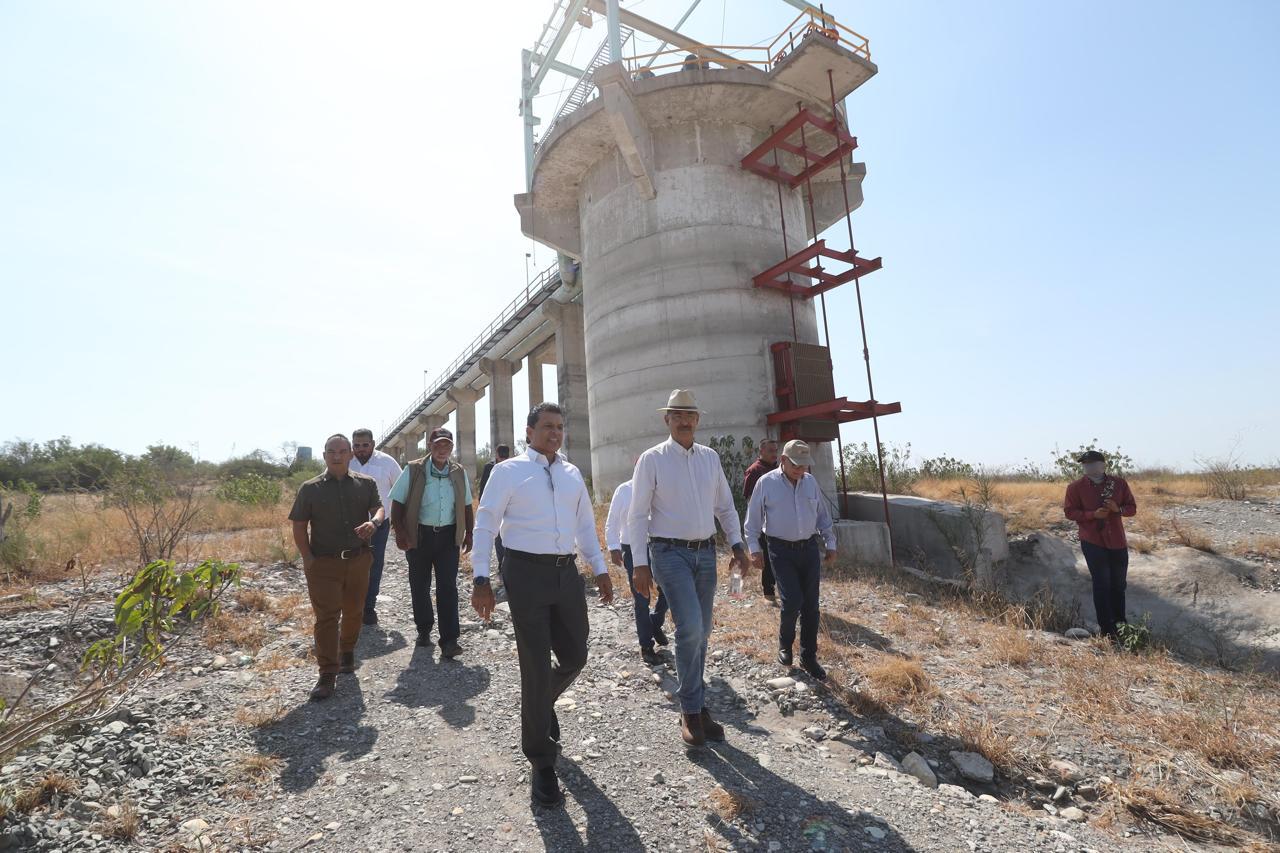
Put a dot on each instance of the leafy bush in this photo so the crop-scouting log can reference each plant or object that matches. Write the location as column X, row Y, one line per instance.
column 735, row 459
column 59, row 465
column 1134, row 637
column 1064, row 461
column 946, row 468
column 250, row 490
column 258, row 462
column 862, row 468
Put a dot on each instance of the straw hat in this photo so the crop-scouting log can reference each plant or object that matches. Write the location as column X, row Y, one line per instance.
column 680, row 401
column 798, row 452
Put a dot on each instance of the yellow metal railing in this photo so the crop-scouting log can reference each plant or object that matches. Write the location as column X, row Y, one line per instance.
column 808, row 24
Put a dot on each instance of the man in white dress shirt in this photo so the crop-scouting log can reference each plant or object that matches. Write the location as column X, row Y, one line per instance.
column 678, row 493
column 384, row 470
column 618, row 540
column 788, row 510
column 539, row 504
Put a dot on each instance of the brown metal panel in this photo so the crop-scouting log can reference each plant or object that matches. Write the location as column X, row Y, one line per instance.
column 813, row 380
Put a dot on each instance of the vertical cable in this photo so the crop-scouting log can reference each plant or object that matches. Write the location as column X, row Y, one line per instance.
column 786, row 250
column 862, row 322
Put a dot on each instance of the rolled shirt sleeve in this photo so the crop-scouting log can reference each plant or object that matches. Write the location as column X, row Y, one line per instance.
column 755, row 520
column 493, row 503
column 400, row 490
column 588, row 541
column 726, row 512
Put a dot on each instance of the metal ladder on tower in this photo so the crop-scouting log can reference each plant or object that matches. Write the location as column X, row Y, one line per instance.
column 581, row 92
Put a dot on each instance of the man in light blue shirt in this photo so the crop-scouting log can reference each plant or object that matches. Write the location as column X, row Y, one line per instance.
column 788, row 508
column 433, row 518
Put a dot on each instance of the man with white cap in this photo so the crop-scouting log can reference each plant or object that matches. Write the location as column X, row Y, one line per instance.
column 678, row 493
column 788, row 509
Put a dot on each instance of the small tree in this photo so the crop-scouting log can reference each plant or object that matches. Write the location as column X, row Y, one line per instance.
column 1068, row 468
column 159, row 506
column 735, row 459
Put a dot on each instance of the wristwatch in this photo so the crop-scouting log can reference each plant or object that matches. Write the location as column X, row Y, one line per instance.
column 481, row 580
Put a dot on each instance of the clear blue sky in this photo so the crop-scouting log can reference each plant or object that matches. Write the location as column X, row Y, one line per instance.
column 235, row 225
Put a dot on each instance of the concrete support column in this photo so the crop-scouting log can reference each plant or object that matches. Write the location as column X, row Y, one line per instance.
column 571, row 379
column 535, row 379
column 465, row 440
column 501, row 414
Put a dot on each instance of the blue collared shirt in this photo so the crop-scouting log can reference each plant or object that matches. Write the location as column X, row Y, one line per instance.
column 785, row 511
column 437, row 495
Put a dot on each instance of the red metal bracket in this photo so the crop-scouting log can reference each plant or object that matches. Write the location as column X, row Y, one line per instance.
column 813, row 161
column 841, row 410
column 776, row 275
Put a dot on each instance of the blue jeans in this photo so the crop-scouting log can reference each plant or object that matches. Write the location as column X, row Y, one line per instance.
column 688, row 579
column 1109, row 569
column 645, row 621
column 379, row 545
column 797, row 571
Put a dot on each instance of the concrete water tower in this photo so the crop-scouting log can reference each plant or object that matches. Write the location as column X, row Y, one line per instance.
column 695, row 264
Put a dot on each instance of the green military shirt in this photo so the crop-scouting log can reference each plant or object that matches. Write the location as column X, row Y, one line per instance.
column 335, row 508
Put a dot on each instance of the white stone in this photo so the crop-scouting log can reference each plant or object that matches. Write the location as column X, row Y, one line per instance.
column 1066, row 771
column 219, row 661
column 915, row 764
column 1072, row 813
column 781, row 683
column 195, row 826
column 973, row 766
column 1077, row 634
column 955, row 792
column 888, row 762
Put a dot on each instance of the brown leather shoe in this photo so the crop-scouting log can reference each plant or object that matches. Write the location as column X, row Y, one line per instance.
column 347, row 662
column 691, row 729
column 324, row 687
column 712, row 729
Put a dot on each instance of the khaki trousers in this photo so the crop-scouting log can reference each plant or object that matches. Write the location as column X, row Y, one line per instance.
column 337, row 588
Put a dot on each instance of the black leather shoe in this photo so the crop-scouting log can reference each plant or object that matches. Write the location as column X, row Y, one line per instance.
column 811, row 666
column 545, row 787
column 450, row 649
column 659, row 637
column 423, row 639
column 784, row 657
column 710, row 728
column 651, row 657
column 370, row 617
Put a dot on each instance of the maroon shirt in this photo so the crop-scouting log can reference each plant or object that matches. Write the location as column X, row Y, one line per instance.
column 757, row 470
column 1083, row 497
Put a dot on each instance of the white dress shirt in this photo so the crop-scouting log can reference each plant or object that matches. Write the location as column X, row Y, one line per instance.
column 536, row 507
column 786, row 511
column 615, row 524
column 384, row 470
column 681, row 494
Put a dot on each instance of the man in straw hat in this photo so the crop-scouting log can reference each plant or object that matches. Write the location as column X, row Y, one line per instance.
column 788, row 513
column 678, row 493
column 1097, row 503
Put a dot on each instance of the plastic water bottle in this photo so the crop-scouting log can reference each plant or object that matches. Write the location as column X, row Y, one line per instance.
column 735, row 583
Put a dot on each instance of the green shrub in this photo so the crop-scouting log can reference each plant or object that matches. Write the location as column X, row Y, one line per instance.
column 1134, row 637
column 735, row 459
column 1064, row 461
column 250, row 490
column 946, row 468
column 862, row 468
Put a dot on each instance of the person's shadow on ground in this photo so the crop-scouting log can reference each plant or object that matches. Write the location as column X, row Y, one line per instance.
column 817, row 825
column 312, row 731
column 375, row 642
column 844, row 632
column 607, row 828
column 428, row 683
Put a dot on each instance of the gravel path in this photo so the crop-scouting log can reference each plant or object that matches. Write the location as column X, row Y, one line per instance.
column 416, row 753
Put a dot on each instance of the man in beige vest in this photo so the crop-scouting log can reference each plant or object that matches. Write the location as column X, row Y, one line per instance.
column 431, row 497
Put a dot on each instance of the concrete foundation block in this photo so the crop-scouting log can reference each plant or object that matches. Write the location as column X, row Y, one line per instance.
column 864, row 542
column 945, row 539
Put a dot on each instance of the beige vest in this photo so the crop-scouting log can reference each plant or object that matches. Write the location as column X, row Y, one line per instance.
column 418, row 488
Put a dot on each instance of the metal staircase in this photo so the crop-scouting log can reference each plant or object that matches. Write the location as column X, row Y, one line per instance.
column 582, row 91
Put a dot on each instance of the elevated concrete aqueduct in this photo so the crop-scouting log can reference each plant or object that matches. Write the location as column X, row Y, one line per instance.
column 661, row 230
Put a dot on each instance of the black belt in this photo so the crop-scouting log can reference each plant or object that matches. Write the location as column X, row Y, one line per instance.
column 691, row 544
column 542, row 559
column 348, row 554
column 787, row 543
column 439, row 528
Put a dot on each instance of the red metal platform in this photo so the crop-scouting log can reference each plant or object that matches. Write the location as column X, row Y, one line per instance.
column 777, row 276
column 814, row 162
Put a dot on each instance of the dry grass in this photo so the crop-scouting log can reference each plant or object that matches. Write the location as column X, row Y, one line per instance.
column 896, row 624
column 1161, row 807
column 257, row 716
column 122, row 826
column 897, row 678
column 1012, row 647
column 729, row 805
column 980, row 735
column 277, row 660
column 256, row 768
column 1267, row 547
column 255, row 601
column 181, row 731
column 238, row 630
column 1190, row 537
column 43, row 791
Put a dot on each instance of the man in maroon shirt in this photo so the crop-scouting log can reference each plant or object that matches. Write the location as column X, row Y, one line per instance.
column 766, row 462
column 1096, row 503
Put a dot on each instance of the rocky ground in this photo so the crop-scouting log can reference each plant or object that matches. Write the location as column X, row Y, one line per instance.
column 418, row 753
